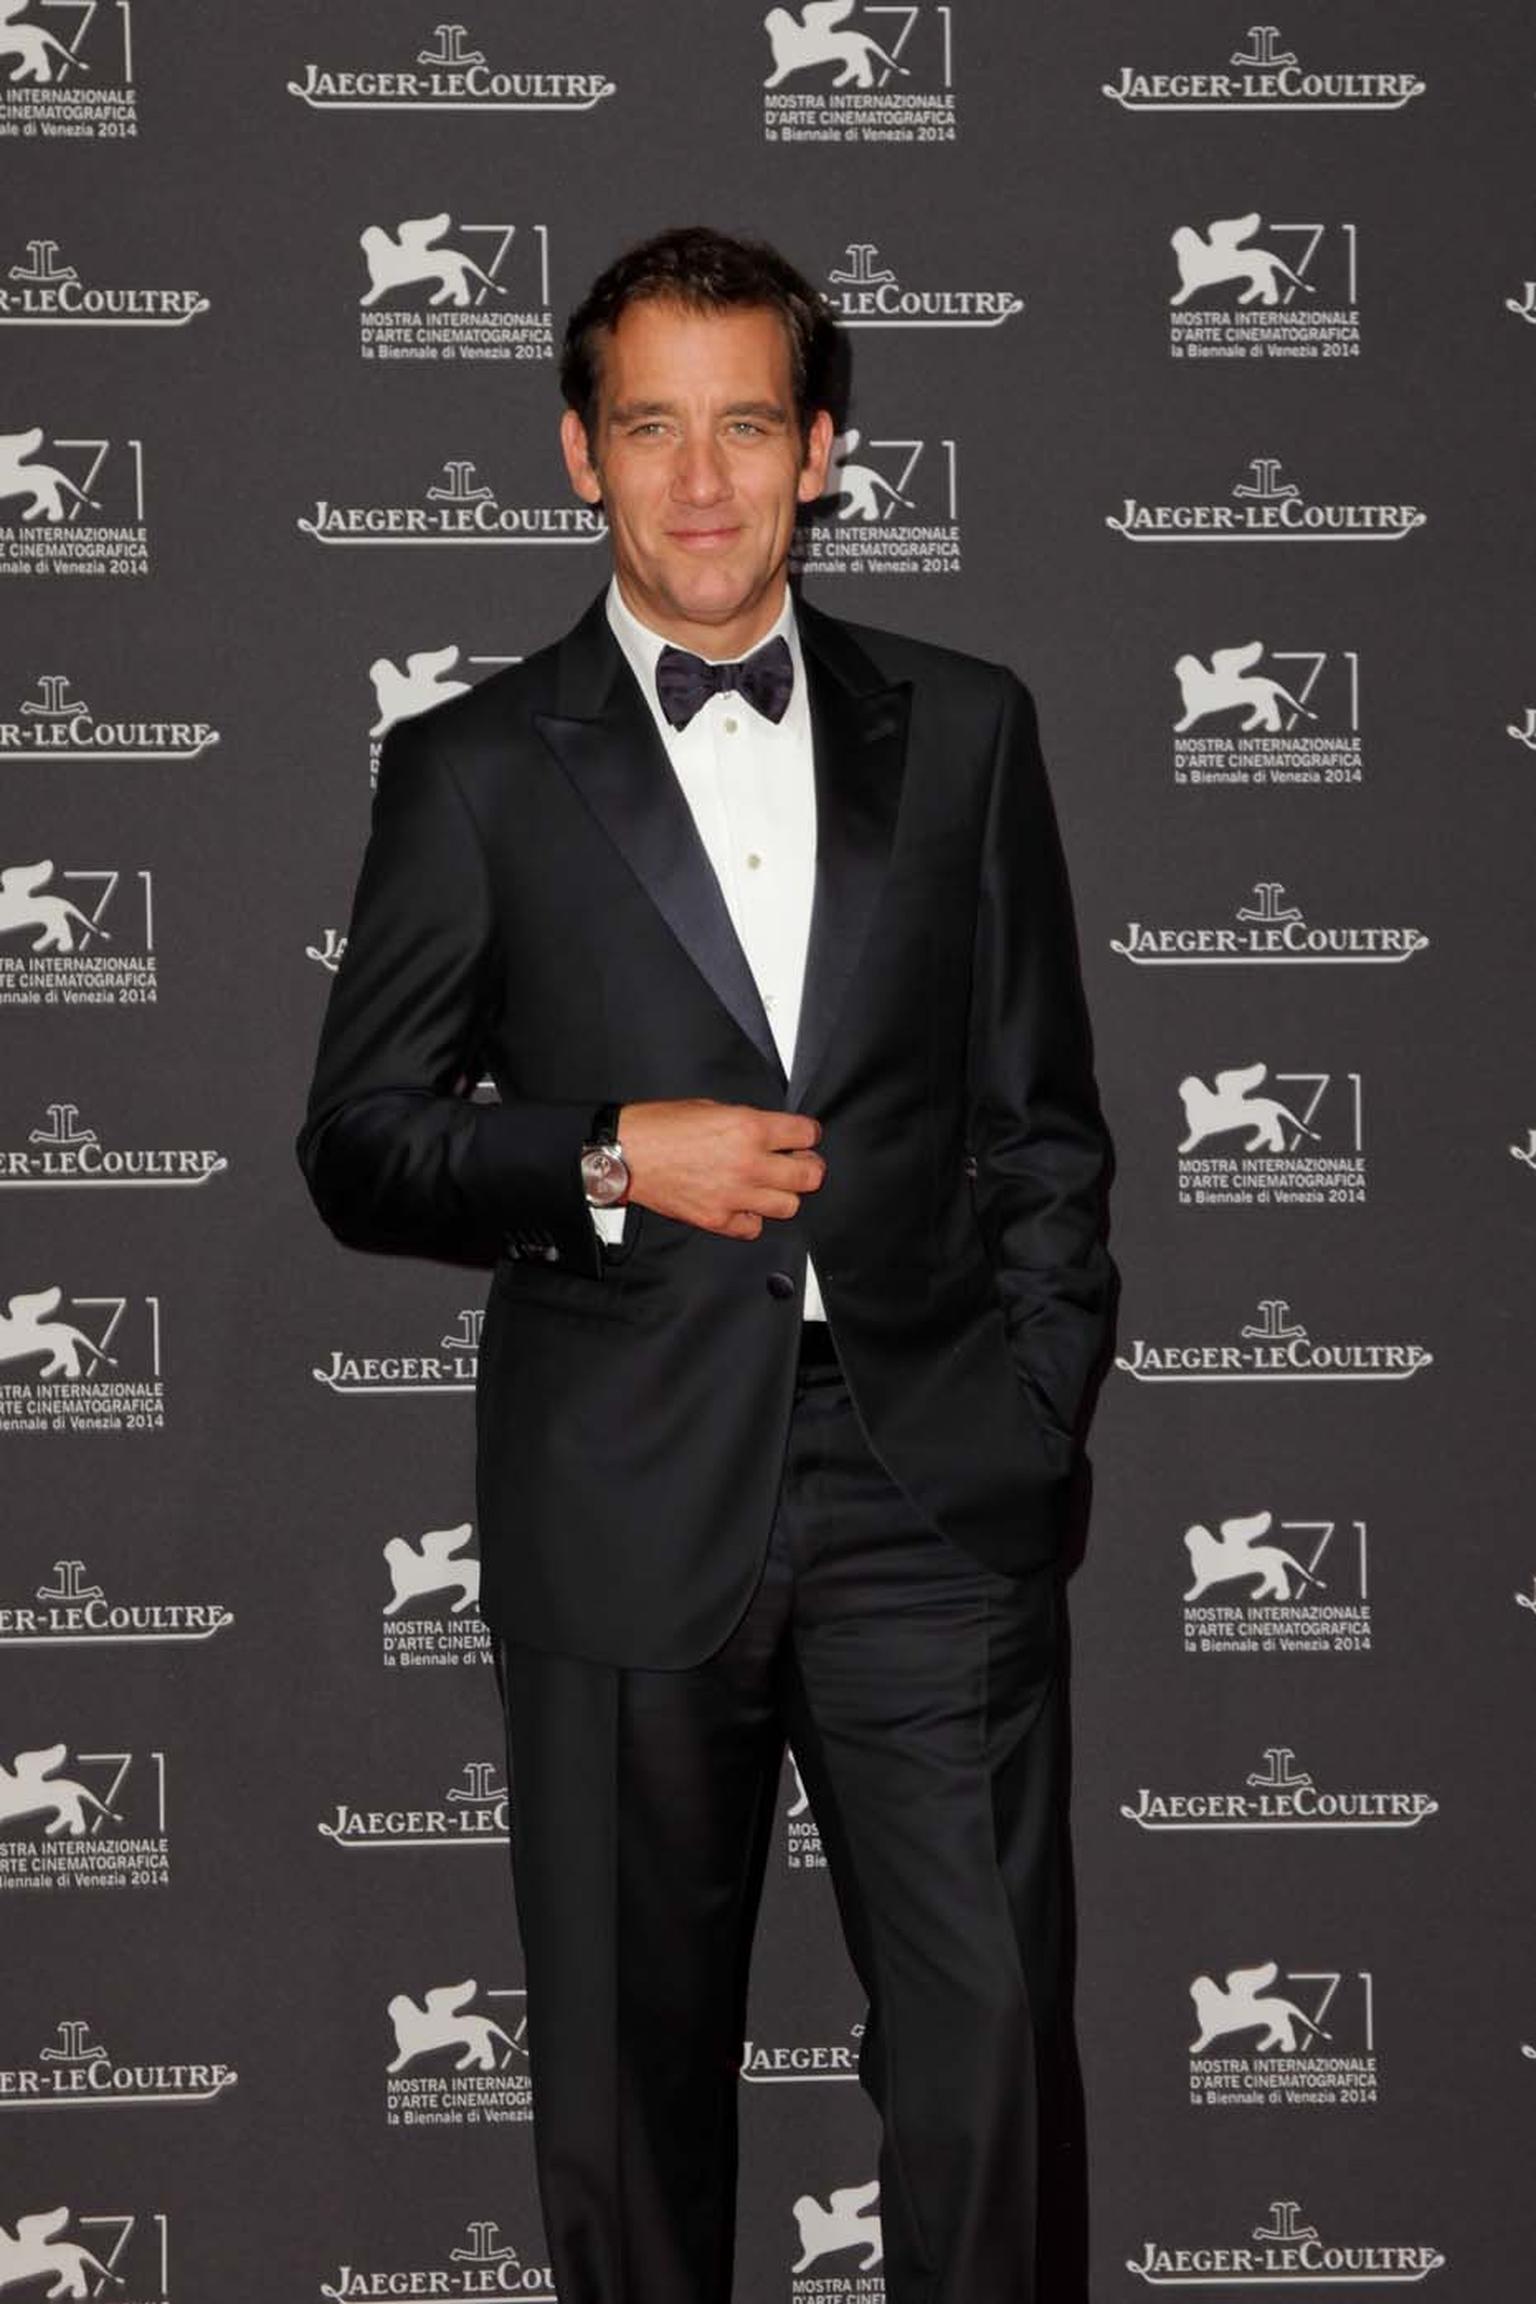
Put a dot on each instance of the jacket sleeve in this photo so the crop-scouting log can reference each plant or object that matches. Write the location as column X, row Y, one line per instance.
column 1036, row 1135
column 395, row 1154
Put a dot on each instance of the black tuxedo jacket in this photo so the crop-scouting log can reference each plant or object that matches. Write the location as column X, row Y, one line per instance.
column 535, row 901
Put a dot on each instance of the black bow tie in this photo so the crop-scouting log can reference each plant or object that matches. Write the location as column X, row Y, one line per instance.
column 766, row 678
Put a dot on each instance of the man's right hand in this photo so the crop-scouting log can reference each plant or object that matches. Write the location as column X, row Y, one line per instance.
column 723, row 1167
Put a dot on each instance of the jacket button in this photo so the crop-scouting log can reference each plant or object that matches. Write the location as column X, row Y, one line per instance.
column 780, row 1285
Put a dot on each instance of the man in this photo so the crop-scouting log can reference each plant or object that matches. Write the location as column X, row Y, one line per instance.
column 759, row 922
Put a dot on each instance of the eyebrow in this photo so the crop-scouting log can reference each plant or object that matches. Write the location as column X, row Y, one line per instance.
column 625, row 411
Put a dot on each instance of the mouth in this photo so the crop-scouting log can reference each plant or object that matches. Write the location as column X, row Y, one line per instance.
column 703, row 539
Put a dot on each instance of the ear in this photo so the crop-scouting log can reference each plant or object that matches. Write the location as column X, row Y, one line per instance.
column 818, row 454
column 578, row 458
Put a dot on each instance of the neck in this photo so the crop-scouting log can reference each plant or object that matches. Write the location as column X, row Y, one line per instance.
column 736, row 636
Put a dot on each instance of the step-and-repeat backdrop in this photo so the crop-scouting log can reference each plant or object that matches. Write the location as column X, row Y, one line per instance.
column 1192, row 368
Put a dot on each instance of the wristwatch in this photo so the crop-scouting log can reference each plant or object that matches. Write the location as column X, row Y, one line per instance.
column 604, row 1175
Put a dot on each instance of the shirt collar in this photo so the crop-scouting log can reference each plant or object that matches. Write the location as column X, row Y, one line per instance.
column 643, row 646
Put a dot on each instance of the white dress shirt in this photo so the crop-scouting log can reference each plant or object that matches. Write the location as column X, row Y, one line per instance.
column 750, row 787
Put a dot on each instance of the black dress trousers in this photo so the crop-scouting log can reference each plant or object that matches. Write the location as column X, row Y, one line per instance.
column 922, row 1695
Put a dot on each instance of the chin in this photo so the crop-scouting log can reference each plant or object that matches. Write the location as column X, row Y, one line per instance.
column 712, row 594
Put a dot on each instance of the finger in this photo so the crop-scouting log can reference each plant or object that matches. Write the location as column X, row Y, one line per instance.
column 781, row 1172
column 798, row 1171
column 741, row 1226
column 780, row 1205
column 789, row 1131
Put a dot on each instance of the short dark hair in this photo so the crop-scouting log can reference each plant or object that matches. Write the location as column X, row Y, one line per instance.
column 704, row 271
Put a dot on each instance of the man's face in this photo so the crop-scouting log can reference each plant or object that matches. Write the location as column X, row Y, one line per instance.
column 699, row 466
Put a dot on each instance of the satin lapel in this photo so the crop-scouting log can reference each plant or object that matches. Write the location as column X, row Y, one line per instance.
column 859, row 733
column 606, row 741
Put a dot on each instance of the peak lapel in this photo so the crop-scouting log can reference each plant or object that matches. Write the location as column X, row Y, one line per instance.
column 606, row 741
column 859, row 732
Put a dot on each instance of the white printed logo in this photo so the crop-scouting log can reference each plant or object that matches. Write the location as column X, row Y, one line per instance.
column 486, row 2079
column 1523, row 306
column 97, row 1363
column 68, row 72
column 814, row 38
column 75, row 505
column 1269, row 933
column 1310, row 2043
column 435, row 1568
column 1274, row 1349
column 1289, row 2253
column 48, row 293
column 444, row 291
column 45, row 491
column 30, row 906
column 37, row 2251
column 1523, row 731
column 68, row 1156
column 1279, row 1797
column 71, row 1612
column 471, row 1815
column 890, row 509
column 1264, row 76
column 1274, row 1597
column 441, row 2024
column 328, row 953
column 866, row 293
column 458, row 509
column 95, row 1821
column 887, row 77
column 426, row 680
column 1232, row 1105
column 1240, row 1555
column 429, row 676
column 74, row 2072
column 31, row 1330
column 1220, row 257
column 768, row 2065
column 480, row 2265
column 803, row 1851
column 31, row 52
column 850, row 2219
column 1265, row 509
column 1264, row 310
column 57, row 727
column 1268, row 746
column 451, row 1368
column 448, row 75
column 1229, row 683
column 34, row 1788
column 1273, row 1165
column 431, row 1566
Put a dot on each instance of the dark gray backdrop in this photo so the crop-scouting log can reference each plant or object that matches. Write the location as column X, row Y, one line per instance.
column 196, row 2025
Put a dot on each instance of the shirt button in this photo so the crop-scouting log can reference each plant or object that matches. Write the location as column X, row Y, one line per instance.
column 780, row 1285
column 753, row 860
column 731, row 727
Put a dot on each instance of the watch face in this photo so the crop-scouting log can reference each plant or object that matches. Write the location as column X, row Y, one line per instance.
column 604, row 1176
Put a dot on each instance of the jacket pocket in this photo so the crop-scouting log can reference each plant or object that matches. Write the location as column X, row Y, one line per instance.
column 523, row 1280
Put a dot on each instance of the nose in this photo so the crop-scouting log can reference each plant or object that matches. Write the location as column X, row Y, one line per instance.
column 701, row 475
